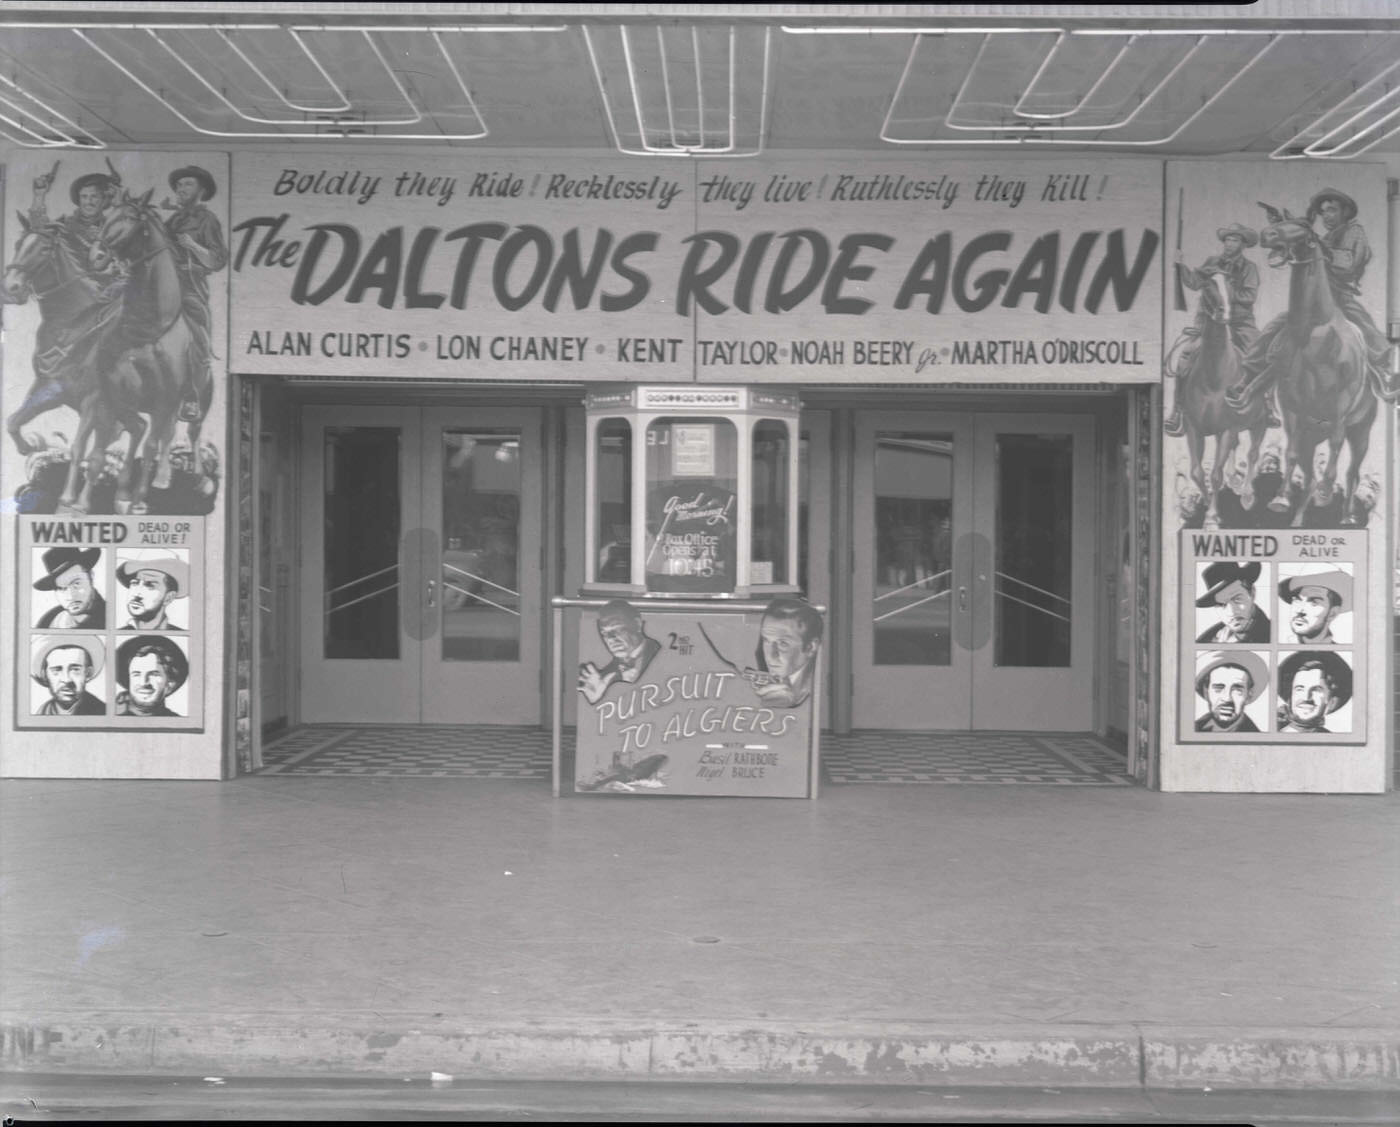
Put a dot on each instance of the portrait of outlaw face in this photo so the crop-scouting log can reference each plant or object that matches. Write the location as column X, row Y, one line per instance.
column 73, row 576
column 153, row 580
column 1315, row 604
column 1227, row 608
column 151, row 671
column 1314, row 692
column 65, row 672
column 1230, row 682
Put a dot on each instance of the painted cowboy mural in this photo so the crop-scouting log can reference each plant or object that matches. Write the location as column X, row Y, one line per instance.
column 1348, row 252
column 1241, row 278
column 92, row 195
column 1291, row 408
column 199, row 246
column 124, row 340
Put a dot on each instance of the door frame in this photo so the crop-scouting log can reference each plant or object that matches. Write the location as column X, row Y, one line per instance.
column 335, row 697
column 1021, row 697
column 1033, row 412
column 886, row 691
column 418, row 674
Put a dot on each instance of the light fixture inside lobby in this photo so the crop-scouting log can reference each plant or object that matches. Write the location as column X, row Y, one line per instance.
column 286, row 81
column 674, row 90
column 29, row 121
column 706, row 87
column 1143, row 88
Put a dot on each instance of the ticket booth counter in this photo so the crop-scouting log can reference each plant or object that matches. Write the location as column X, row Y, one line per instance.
column 698, row 664
column 691, row 491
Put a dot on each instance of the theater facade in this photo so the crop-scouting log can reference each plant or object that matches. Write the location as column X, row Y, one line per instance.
column 1059, row 441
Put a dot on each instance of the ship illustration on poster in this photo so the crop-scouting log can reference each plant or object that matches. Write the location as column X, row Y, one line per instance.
column 1276, row 422
column 115, row 297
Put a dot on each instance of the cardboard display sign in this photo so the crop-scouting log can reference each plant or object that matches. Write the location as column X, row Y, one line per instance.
column 697, row 702
column 839, row 269
column 113, row 613
column 1269, row 647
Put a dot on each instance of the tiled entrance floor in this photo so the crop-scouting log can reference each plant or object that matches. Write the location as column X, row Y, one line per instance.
column 478, row 751
column 972, row 757
column 484, row 751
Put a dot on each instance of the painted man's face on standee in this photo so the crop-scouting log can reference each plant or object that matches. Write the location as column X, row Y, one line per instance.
column 75, row 591
column 187, row 190
column 147, row 595
column 1312, row 611
column 66, row 671
column 1310, row 695
column 90, row 201
column 1236, row 605
column 619, row 637
column 783, row 648
column 1226, row 693
column 147, row 679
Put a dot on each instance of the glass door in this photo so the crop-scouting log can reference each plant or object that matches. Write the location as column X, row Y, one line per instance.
column 1033, row 578
column 913, row 494
column 420, row 578
column 973, row 570
column 482, row 482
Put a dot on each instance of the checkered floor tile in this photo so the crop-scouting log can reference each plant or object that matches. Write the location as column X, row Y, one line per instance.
column 484, row 751
column 476, row 751
column 972, row 757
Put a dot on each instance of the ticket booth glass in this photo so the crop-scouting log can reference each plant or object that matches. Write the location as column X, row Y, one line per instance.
column 692, row 492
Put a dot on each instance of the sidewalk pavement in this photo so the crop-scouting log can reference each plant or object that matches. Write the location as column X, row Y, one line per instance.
column 934, row 935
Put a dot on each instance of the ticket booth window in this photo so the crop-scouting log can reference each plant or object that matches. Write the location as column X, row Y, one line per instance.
column 691, row 491
column 613, row 515
column 769, row 513
column 692, row 475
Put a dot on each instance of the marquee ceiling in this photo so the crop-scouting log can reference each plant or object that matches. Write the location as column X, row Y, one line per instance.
column 705, row 85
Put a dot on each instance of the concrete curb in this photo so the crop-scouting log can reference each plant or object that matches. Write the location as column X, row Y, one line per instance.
column 1110, row 1056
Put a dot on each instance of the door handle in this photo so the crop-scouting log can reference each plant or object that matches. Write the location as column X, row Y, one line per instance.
column 962, row 598
column 432, row 594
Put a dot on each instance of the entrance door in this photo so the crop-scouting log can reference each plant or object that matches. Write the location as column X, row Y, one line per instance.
column 973, row 580
column 420, row 576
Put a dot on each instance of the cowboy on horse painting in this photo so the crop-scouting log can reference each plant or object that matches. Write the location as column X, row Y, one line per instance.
column 125, row 332
column 1348, row 252
column 1241, row 278
column 91, row 195
column 199, row 246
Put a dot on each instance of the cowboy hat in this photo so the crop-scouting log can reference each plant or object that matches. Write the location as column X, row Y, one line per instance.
column 1247, row 660
column 206, row 181
column 176, row 663
column 1348, row 205
column 99, row 180
column 1222, row 573
column 1247, row 234
column 1318, row 575
column 1334, row 668
column 44, row 645
column 137, row 559
column 59, row 560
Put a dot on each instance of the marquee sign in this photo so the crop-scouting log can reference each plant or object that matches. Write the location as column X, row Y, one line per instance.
column 493, row 267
